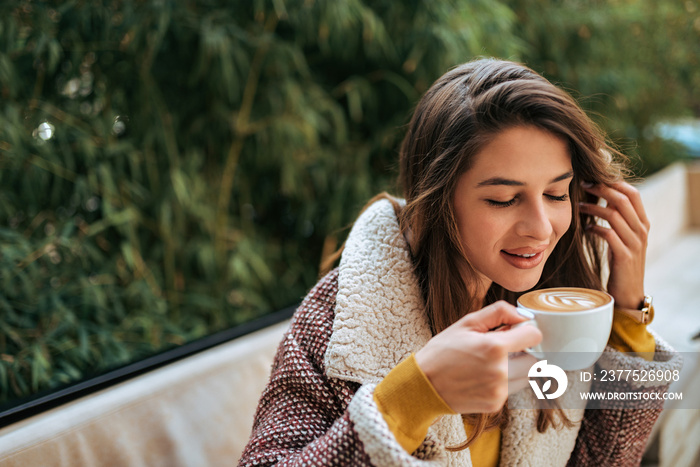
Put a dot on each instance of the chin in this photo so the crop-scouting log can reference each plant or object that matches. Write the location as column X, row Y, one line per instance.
column 521, row 288
column 521, row 285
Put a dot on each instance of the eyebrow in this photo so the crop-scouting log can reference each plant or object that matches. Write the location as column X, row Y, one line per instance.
column 508, row 182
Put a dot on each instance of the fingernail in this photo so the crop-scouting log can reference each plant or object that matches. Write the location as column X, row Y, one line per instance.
column 586, row 184
column 525, row 314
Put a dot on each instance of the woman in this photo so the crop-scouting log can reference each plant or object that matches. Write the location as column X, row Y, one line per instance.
column 400, row 356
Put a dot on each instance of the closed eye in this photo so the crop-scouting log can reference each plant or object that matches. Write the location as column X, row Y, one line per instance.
column 500, row 204
column 505, row 204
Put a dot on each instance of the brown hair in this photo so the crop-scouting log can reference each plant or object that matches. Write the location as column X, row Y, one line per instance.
column 460, row 113
column 454, row 120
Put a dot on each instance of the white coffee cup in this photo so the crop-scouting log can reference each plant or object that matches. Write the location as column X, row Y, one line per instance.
column 575, row 324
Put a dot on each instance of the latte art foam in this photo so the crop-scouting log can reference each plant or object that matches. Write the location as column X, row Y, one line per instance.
column 564, row 299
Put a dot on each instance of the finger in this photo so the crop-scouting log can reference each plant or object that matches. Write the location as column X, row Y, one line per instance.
column 518, row 339
column 518, row 367
column 617, row 246
column 618, row 200
column 635, row 198
column 492, row 316
column 616, row 221
column 517, row 385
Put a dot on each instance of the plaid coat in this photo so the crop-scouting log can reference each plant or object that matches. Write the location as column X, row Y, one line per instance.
column 360, row 321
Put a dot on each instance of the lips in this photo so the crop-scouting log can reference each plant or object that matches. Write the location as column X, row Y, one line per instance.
column 524, row 258
column 526, row 255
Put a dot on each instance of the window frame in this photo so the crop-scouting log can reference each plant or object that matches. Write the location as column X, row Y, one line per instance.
column 36, row 404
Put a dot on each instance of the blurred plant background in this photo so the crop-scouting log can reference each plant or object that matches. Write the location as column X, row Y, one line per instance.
column 169, row 168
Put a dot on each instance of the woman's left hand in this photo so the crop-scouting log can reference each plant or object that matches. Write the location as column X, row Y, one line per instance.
column 626, row 237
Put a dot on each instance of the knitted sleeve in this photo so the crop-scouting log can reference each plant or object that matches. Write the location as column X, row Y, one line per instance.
column 629, row 336
column 409, row 403
column 305, row 418
column 615, row 433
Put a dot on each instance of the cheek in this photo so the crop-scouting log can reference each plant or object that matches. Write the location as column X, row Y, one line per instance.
column 562, row 221
column 482, row 231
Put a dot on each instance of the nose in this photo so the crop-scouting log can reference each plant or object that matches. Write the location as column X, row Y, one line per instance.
column 535, row 222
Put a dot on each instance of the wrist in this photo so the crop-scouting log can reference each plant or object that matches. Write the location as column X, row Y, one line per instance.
column 627, row 296
column 631, row 301
column 642, row 313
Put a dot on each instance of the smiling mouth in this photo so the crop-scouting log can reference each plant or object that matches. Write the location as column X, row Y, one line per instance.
column 522, row 256
column 524, row 260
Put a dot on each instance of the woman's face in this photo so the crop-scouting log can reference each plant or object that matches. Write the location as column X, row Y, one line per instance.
column 513, row 206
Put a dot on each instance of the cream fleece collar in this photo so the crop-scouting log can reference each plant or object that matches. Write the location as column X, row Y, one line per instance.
column 380, row 320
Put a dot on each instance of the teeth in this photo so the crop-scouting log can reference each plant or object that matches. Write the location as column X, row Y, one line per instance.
column 526, row 256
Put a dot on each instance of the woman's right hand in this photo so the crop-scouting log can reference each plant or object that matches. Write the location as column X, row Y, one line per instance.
column 468, row 365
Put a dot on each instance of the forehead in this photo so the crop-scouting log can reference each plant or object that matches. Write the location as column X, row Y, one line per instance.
column 522, row 153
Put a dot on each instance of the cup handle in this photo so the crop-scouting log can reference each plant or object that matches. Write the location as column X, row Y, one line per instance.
column 535, row 351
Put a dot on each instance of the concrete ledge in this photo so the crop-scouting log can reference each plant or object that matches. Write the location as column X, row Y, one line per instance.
column 195, row 412
column 672, row 200
column 665, row 196
column 673, row 256
column 694, row 194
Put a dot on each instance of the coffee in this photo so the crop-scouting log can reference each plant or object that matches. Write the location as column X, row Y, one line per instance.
column 575, row 324
column 562, row 299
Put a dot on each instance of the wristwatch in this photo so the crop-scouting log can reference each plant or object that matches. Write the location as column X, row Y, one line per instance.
column 643, row 315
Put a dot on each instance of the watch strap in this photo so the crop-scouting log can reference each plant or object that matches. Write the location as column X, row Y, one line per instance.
column 643, row 315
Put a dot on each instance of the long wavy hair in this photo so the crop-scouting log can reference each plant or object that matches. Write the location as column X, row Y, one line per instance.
column 462, row 111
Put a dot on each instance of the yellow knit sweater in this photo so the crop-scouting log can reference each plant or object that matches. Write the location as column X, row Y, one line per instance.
column 410, row 404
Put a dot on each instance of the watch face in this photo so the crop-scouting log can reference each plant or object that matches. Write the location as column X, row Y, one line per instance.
column 646, row 309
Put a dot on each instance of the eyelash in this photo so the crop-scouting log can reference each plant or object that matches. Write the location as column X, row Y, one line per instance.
column 505, row 204
column 501, row 204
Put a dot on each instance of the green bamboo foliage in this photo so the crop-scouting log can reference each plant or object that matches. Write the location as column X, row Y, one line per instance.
column 637, row 62
column 172, row 168
column 169, row 169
